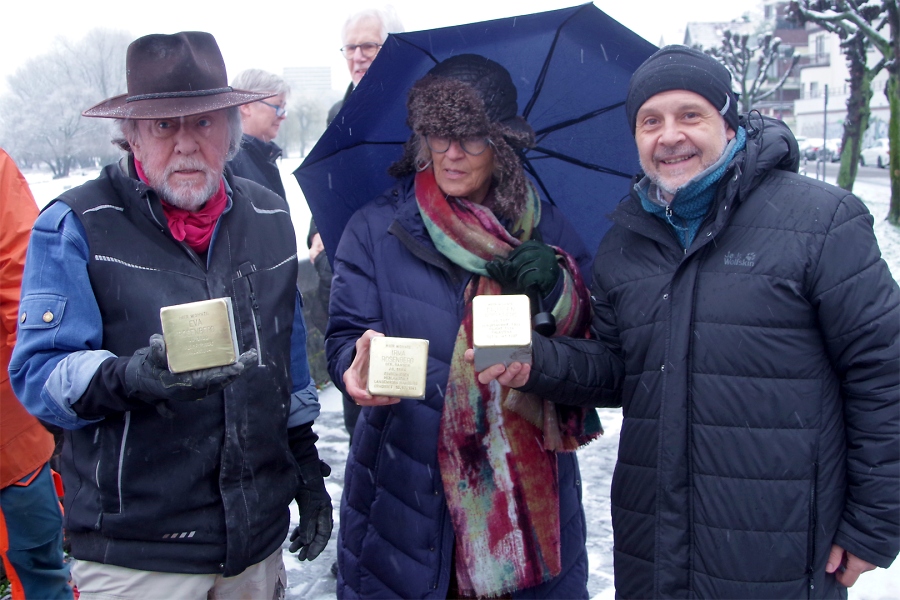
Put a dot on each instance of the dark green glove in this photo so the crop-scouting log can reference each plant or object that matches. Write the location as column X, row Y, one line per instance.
column 316, row 521
column 147, row 375
column 532, row 265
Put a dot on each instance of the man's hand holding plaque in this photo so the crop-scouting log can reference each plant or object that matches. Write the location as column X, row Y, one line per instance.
column 513, row 375
column 147, row 375
column 501, row 328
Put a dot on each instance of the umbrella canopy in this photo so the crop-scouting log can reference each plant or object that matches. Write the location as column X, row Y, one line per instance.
column 571, row 69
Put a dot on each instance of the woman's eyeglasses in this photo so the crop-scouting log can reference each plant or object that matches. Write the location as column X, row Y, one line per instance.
column 473, row 146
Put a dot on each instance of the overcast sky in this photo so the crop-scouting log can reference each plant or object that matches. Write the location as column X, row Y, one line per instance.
column 273, row 34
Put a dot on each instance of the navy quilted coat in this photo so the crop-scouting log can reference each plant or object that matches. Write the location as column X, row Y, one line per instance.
column 396, row 539
column 758, row 376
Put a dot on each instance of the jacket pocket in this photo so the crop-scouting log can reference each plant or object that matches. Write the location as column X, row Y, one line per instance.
column 41, row 311
column 247, row 311
column 110, row 473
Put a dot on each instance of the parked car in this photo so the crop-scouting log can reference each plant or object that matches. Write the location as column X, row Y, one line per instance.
column 809, row 148
column 876, row 155
column 813, row 149
column 833, row 148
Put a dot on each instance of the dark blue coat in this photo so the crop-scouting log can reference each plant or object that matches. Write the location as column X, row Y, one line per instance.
column 396, row 539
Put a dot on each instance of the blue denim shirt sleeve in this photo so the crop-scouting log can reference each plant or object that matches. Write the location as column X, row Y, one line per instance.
column 58, row 347
column 304, row 396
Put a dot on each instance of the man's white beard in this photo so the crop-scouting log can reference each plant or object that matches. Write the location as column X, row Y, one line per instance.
column 186, row 197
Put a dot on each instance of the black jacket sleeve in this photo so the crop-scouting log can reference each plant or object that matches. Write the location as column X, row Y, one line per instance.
column 107, row 393
column 302, row 442
column 858, row 307
column 581, row 372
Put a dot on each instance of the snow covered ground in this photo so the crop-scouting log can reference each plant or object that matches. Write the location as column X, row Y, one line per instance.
column 313, row 580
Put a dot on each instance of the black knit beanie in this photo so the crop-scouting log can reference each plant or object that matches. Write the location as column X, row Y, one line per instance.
column 682, row 68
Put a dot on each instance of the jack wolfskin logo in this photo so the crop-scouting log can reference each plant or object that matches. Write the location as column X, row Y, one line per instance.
column 737, row 259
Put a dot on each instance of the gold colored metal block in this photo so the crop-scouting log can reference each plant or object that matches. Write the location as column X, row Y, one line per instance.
column 398, row 367
column 199, row 335
column 501, row 330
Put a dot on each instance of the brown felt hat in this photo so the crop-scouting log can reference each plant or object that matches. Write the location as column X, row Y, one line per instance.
column 173, row 76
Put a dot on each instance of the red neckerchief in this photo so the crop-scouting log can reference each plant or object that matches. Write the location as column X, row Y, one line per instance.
column 194, row 228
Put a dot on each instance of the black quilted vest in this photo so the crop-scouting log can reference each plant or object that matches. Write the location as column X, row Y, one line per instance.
column 208, row 490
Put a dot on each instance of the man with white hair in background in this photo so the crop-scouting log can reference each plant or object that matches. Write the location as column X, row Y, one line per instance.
column 260, row 121
column 178, row 484
column 363, row 35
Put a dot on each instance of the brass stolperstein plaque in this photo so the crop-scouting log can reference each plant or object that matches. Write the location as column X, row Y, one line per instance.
column 199, row 335
column 397, row 367
column 501, row 330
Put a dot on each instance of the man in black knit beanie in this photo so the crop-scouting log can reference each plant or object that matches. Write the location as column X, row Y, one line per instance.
column 747, row 326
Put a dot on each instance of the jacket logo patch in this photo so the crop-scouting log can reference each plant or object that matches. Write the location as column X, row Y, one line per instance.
column 182, row 535
column 737, row 259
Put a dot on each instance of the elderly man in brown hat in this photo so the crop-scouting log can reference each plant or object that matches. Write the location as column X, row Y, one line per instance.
column 178, row 481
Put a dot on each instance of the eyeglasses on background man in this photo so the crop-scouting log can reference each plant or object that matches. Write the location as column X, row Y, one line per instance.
column 368, row 49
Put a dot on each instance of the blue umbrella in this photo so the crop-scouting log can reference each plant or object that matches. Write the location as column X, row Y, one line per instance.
column 571, row 68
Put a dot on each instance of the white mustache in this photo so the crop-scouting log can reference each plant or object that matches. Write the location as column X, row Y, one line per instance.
column 187, row 164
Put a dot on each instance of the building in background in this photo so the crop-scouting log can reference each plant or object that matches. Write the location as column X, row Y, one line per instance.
column 773, row 19
column 801, row 101
column 794, row 41
column 309, row 80
column 827, row 66
column 708, row 34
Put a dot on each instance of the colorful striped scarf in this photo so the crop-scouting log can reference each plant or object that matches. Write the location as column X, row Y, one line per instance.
column 501, row 487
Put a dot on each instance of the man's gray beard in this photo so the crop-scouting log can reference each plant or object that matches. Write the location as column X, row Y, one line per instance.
column 184, row 198
column 659, row 183
column 189, row 200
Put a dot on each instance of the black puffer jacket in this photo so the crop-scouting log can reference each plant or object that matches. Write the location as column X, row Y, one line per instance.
column 758, row 375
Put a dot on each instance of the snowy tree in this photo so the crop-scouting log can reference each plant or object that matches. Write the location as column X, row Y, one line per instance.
column 304, row 124
column 40, row 115
column 879, row 22
column 750, row 65
column 855, row 45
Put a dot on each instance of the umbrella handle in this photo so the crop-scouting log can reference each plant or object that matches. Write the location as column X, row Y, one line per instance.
column 543, row 321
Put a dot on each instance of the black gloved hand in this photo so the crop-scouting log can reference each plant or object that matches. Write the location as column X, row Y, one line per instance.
column 316, row 521
column 532, row 265
column 147, row 375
